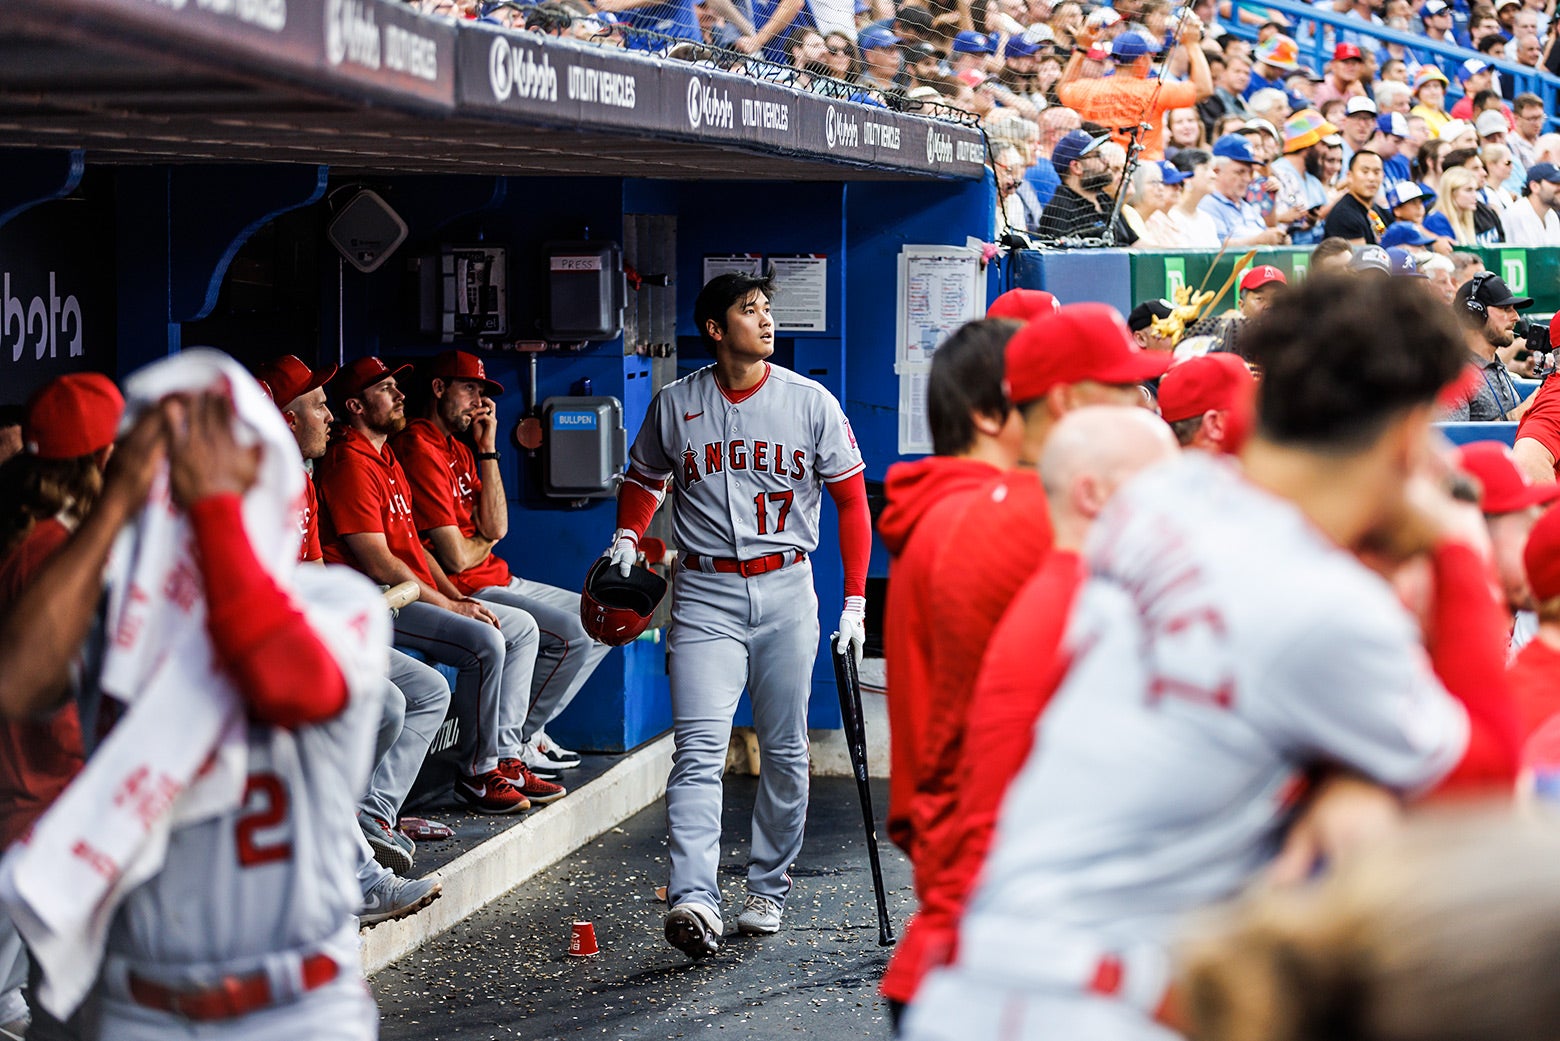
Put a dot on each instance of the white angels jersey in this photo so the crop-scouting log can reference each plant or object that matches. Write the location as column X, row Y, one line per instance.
column 749, row 472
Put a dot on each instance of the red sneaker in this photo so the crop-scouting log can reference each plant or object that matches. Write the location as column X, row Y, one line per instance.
column 533, row 787
column 492, row 792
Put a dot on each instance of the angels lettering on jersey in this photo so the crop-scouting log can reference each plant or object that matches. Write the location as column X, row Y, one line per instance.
column 740, row 454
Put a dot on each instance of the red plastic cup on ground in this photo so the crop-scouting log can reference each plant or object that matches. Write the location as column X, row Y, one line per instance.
column 582, row 941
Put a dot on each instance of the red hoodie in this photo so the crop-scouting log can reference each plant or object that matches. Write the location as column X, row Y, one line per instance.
column 923, row 498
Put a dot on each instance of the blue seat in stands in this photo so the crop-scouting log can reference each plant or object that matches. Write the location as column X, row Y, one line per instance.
column 1462, row 433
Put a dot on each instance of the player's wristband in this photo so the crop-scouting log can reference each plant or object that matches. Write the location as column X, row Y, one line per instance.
column 487, row 455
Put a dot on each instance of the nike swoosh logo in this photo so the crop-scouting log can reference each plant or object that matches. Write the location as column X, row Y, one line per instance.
column 691, row 415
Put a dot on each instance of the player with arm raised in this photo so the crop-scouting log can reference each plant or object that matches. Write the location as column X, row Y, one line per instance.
column 750, row 447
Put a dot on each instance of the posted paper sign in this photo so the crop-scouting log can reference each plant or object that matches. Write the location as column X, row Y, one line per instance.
column 940, row 289
column 726, row 263
column 801, row 302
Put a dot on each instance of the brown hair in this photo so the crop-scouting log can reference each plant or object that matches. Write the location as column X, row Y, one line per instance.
column 1446, row 932
column 36, row 489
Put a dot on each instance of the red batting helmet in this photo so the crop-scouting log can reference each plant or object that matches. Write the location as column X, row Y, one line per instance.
column 614, row 609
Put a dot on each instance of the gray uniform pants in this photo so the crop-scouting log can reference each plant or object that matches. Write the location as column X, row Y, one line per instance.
column 566, row 656
column 495, row 670
column 728, row 631
column 417, row 699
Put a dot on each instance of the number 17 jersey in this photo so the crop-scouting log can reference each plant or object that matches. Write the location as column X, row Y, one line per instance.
column 749, row 466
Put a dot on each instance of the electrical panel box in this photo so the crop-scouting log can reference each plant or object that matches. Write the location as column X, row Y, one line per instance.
column 585, row 447
column 464, row 294
column 586, row 290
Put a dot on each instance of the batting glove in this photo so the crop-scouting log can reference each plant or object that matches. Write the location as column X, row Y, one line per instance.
column 853, row 628
column 624, row 551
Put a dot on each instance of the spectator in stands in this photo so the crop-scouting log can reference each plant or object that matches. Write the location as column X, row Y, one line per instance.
column 1007, row 167
column 1270, row 106
column 1488, row 311
column 1228, row 97
column 1387, row 142
column 1528, row 114
column 1354, row 217
column 1122, row 101
column 1426, row 167
column 666, row 17
column 842, row 58
column 1239, row 223
column 1298, row 174
column 1080, row 207
column 1438, row 269
column 1276, row 58
column 1115, row 159
column 1140, row 322
column 1452, row 215
column 1020, row 70
column 1430, row 92
column 1183, row 129
column 1458, row 137
column 772, row 21
column 1394, row 97
column 1184, row 224
column 1499, row 167
column 1358, row 126
column 462, row 512
column 1331, row 255
column 1394, row 70
column 1465, row 265
column 1436, row 16
column 882, row 68
column 366, row 521
column 1406, row 201
column 1532, row 220
column 1148, row 195
column 719, row 24
column 1486, row 219
column 1055, row 123
column 1344, row 74
column 1474, row 75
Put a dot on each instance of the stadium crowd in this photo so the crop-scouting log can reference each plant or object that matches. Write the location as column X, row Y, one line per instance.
column 1238, row 143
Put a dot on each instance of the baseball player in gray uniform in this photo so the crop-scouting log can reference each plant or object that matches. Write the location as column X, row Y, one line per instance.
column 749, row 448
column 248, row 929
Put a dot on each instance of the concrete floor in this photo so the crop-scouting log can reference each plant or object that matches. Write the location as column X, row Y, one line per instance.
column 505, row 971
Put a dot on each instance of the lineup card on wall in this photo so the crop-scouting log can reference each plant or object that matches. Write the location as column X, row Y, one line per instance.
column 939, row 290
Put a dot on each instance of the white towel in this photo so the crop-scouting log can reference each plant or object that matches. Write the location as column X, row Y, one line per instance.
column 178, row 755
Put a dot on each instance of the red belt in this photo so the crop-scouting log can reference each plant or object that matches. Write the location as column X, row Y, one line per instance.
column 745, row 568
column 232, row 997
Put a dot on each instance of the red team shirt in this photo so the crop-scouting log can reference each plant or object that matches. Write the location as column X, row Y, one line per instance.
column 1542, row 422
column 309, row 524
column 445, row 488
column 38, row 758
column 361, row 491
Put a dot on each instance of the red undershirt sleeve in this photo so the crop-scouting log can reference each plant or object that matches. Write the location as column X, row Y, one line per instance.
column 282, row 669
column 850, row 498
column 1467, row 644
column 636, row 502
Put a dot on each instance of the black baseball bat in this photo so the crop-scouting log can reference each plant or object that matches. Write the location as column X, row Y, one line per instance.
column 849, row 686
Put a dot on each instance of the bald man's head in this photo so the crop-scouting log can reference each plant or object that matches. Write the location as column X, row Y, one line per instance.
column 1091, row 452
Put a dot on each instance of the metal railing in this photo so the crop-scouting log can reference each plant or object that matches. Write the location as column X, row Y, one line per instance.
column 1316, row 52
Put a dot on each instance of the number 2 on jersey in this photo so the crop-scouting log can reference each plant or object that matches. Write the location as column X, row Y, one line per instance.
column 261, row 834
column 761, row 503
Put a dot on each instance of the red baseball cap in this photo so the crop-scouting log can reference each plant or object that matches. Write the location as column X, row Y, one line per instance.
column 287, row 378
column 458, row 365
column 1345, row 51
column 1023, row 305
column 1261, row 275
column 361, row 373
column 72, row 416
column 1079, row 342
column 1219, row 382
column 1504, row 488
column 1542, row 556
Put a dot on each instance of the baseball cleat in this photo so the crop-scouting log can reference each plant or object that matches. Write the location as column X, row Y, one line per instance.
column 537, row 790
column 693, row 929
column 760, row 916
column 492, row 792
column 395, row 897
column 391, row 849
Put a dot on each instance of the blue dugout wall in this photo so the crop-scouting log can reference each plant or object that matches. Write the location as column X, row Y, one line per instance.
column 154, row 256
